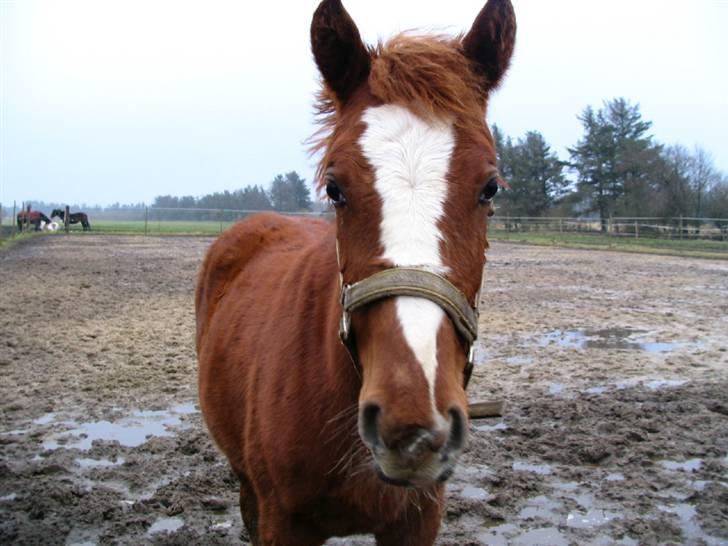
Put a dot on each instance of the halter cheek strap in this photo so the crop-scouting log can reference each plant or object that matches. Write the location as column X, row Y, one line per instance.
column 415, row 282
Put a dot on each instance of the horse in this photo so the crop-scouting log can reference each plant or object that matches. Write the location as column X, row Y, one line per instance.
column 73, row 218
column 32, row 217
column 333, row 357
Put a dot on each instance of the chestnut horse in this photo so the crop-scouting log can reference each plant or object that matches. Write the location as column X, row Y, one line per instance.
column 331, row 438
column 31, row 218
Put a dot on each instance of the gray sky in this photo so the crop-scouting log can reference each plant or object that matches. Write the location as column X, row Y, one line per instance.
column 106, row 101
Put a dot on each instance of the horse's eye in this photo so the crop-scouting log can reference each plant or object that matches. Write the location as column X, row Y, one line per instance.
column 489, row 190
column 333, row 191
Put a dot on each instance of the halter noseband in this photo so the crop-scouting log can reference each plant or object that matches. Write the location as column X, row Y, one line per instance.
column 416, row 282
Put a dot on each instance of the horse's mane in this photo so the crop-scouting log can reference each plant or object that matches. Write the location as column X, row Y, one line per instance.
column 429, row 74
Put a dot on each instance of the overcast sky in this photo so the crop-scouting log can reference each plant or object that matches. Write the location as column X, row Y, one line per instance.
column 105, row 101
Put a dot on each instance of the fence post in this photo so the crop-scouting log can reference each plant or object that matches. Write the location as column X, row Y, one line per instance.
column 146, row 219
column 67, row 220
column 1, row 221
column 27, row 217
column 15, row 225
column 681, row 227
column 636, row 230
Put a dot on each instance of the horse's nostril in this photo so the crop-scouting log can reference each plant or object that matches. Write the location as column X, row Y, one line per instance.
column 368, row 428
column 457, row 430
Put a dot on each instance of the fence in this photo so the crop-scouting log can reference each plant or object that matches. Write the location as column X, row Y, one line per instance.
column 623, row 227
column 161, row 221
column 158, row 221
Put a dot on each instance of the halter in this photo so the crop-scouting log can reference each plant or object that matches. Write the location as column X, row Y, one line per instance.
column 416, row 282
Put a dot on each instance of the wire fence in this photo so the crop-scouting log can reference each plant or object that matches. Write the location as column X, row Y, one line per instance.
column 147, row 221
column 684, row 228
column 163, row 221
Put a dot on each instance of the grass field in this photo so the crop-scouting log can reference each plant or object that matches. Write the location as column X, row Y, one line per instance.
column 166, row 227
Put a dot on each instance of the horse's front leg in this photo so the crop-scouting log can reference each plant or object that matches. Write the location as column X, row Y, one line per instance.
column 278, row 528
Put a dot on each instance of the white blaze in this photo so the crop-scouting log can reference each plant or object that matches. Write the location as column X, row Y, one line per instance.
column 411, row 159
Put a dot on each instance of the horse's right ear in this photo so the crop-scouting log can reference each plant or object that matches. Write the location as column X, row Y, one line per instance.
column 341, row 56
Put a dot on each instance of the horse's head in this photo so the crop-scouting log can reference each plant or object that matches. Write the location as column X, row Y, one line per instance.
column 57, row 212
column 410, row 167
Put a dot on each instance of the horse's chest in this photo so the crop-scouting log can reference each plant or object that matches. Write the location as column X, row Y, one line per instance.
column 335, row 517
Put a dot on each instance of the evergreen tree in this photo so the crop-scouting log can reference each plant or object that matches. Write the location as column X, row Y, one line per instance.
column 533, row 171
column 289, row 193
column 615, row 156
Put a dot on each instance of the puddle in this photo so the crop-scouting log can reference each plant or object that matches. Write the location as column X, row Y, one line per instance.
column 691, row 529
column 498, row 535
column 608, row 338
column 475, row 493
column 566, row 486
column 593, row 517
column 165, row 525
column 608, row 541
column 472, row 473
column 615, row 477
column 82, row 537
column 550, row 536
column 131, row 431
column 699, row 485
column 99, row 463
column 492, row 428
column 690, row 465
column 556, row 388
column 596, row 390
column 664, row 383
column 519, row 360
column 521, row 466
column 9, row 498
column 45, row 419
column 541, row 507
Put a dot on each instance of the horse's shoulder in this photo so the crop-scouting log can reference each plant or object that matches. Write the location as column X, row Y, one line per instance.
column 232, row 251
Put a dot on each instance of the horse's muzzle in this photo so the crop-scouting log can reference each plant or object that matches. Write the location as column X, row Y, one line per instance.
column 412, row 455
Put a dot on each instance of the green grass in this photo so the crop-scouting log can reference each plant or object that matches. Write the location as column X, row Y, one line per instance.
column 167, row 227
column 673, row 247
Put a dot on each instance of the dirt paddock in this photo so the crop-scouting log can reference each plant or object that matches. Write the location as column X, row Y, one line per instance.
column 613, row 367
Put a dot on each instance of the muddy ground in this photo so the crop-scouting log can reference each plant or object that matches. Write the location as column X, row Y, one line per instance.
column 613, row 367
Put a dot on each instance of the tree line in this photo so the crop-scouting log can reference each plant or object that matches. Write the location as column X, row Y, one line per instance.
column 616, row 168
column 287, row 193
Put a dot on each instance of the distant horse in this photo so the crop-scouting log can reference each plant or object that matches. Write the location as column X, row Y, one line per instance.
column 73, row 218
column 32, row 218
column 333, row 359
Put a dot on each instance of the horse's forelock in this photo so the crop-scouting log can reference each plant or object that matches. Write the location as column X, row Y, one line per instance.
column 428, row 75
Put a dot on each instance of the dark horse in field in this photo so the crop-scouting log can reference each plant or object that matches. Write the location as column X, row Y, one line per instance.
column 73, row 218
column 333, row 357
column 33, row 218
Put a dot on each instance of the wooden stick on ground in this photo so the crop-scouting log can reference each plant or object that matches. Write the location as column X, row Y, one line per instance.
column 488, row 408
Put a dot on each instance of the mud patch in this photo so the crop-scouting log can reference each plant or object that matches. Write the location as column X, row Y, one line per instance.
column 604, row 440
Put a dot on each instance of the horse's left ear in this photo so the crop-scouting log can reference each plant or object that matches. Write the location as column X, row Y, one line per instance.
column 489, row 43
column 341, row 56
